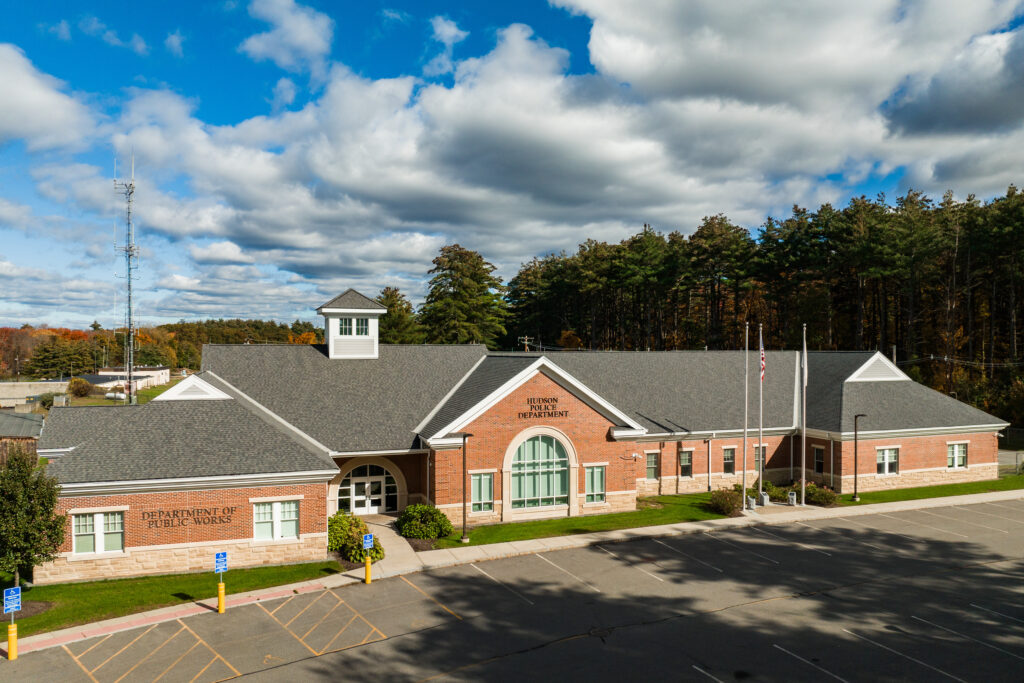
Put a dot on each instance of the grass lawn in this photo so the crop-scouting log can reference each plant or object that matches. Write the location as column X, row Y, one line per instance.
column 145, row 396
column 1008, row 483
column 653, row 511
column 82, row 603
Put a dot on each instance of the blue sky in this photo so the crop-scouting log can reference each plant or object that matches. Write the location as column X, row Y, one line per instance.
column 286, row 150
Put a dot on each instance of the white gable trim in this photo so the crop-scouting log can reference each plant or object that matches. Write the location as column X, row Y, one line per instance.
column 553, row 372
column 356, row 312
column 897, row 375
column 432, row 413
column 197, row 388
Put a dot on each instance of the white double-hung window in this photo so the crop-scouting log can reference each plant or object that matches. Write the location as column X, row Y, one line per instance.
column 956, row 456
column 482, row 491
column 98, row 532
column 595, row 484
column 888, row 460
column 275, row 520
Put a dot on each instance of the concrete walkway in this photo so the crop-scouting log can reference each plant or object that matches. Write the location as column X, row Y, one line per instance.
column 401, row 559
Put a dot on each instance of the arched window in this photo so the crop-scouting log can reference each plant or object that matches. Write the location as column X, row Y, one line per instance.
column 368, row 489
column 540, row 473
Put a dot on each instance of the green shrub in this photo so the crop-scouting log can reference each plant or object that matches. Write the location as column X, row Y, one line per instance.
column 726, row 502
column 79, row 387
column 345, row 535
column 423, row 521
column 46, row 400
column 821, row 495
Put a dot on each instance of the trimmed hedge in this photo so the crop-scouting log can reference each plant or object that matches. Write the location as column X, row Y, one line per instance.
column 423, row 521
column 345, row 535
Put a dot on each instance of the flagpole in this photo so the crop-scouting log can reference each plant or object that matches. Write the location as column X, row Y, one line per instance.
column 760, row 417
column 803, row 427
column 746, row 403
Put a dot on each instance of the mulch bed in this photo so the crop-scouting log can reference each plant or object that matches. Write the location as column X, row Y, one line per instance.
column 421, row 544
column 30, row 608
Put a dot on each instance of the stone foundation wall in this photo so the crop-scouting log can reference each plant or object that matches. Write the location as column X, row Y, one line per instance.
column 929, row 477
column 176, row 559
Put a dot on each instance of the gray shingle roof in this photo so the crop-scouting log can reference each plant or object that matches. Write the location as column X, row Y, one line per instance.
column 907, row 405
column 687, row 391
column 346, row 404
column 485, row 378
column 350, row 298
column 826, row 371
column 20, row 424
column 175, row 439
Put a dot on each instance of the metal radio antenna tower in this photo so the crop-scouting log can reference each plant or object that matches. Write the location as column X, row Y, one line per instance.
column 131, row 262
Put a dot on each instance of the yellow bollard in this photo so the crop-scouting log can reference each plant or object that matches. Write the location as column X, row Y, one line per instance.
column 367, row 580
column 220, row 598
column 12, row 641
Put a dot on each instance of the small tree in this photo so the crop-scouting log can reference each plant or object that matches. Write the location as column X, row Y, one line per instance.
column 79, row 387
column 30, row 530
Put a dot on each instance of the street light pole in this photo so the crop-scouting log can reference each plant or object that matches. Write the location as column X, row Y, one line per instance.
column 856, row 417
column 465, row 486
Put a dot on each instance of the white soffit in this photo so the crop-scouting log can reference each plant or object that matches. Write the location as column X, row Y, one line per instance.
column 192, row 388
column 878, row 369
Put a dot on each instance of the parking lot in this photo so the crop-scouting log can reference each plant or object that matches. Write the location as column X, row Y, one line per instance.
column 920, row 595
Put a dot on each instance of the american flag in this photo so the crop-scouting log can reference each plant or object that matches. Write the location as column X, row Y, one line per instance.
column 761, row 342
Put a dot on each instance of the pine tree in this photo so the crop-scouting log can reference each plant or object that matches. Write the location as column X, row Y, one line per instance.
column 465, row 303
column 398, row 325
column 30, row 530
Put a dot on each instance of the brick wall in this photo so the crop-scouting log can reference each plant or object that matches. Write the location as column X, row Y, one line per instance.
column 156, row 520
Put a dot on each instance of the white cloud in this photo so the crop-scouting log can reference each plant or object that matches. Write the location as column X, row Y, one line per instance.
column 284, row 94
column 92, row 26
column 300, row 37
column 34, row 107
column 173, row 43
column 219, row 252
column 61, row 30
column 446, row 32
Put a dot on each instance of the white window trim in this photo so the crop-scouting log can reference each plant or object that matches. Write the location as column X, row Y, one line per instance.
column 97, row 534
column 276, row 521
column 491, row 472
column 594, row 464
column 604, row 480
column 897, row 447
column 646, row 453
column 86, row 511
column 691, row 451
column 276, row 499
column 967, row 450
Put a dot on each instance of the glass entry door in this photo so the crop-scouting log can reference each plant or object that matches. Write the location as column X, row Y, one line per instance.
column 367, row 495
column 368, row 490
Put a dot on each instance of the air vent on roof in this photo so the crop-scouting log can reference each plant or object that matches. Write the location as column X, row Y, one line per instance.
column 193, row 388
column 878, row 369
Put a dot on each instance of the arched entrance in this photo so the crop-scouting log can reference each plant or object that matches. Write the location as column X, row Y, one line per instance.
column 368, row 486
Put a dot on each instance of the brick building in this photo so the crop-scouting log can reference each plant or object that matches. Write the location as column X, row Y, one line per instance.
column 256, row 451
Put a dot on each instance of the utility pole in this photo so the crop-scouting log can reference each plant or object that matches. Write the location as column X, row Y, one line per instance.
column 131, row 262
column 526, row 341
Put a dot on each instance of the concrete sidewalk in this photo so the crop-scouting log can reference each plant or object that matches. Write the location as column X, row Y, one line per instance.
column 401, row 559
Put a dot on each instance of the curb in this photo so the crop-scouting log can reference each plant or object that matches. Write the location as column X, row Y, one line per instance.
column 433, row 559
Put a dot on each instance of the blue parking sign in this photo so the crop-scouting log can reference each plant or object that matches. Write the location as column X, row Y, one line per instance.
column 367, row 541
column 220, row 562
column 12, row 600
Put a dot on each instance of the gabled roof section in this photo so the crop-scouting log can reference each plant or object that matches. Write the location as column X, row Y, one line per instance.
column 498, row 376
column 20, row 424
column 350, row 299
column 878, row 369
column 193, row 388
column 826, row 372
column 908, row 406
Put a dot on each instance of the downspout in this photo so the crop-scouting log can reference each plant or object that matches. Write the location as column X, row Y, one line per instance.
column 679, row 463
column 831, row 461
column 708, row 442
column 791, row 438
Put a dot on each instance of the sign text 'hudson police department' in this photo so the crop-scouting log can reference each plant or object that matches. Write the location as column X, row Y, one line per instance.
column 542, row 407
column 158, row 519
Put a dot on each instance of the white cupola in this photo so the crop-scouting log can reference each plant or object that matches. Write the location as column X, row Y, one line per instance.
column 351, row 323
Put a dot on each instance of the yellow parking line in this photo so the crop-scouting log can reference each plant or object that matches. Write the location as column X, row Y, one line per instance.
column 175, row 663
column 283, row 604
column 203, row 670
column 99, row 642
column 286, row 628
column 87, row 672
column 210, row 648
column 313, row 627
column 124, row 648
column 441, row 604
column 343, row 629
column 152, row 652
column 315, row 600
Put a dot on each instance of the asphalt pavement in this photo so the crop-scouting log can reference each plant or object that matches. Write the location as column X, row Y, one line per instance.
column 919, row 595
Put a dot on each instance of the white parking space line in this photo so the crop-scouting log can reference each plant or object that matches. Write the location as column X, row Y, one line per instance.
column 680, row 552
column 653, row 576
column 895, row 652
column 786, row 540
column 957, row 633
column 1015, row 508
column 504, row 585
column 592, row 587
column 972, row 508
column 707, row 674
column 964, row 521
column 809, row 663
column 926, row 526
column 739, row 547
column 875, row 528
column 992, row 611
column 858, row 540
